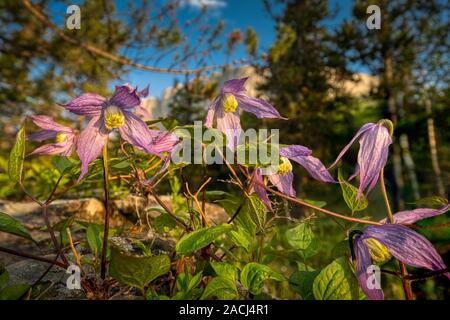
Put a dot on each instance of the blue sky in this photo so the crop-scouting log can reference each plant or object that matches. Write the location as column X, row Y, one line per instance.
column 237, row 14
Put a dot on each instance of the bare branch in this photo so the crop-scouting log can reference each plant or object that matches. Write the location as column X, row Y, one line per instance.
column 104, row 54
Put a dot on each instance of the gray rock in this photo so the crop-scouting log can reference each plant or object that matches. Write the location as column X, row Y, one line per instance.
column 30, row 215
column 134, row 207
column 54, row 283
column 157, row 245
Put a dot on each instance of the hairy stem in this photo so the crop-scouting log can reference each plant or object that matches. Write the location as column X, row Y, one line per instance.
column 44, row 207
column 322, row 210
column 163, row 205
column 106, row 224
column 52, row 234
column 404, row 273
column 33, row 257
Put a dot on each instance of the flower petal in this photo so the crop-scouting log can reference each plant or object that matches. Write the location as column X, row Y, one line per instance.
column 90, row 143
column 315, row 168
column 363, row 262
column 283, row 182
column 42, row 135
column 143, row 113
column 407, row 246
column 47, row 123
column 234, row 86
column 125, row 98
column 259, row 107
column 88, row 104
column 302, row 156
column 230, row 124
column 293, row 151
column 163, row 141
column 257, row 187
column 372, row 156
column 143, row 93
column 136, row 132
column 411, row 216
column 61, row 148
column 210, row 113
column 363, row 129
column 165, row 165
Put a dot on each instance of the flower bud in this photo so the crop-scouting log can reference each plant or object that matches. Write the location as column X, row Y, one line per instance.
column 388, row 125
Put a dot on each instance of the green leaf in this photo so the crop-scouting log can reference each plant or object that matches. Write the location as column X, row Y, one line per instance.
column 300, row 237
column 243, row 219
column 4, row 277
column 200, row 238
column 15, row 164
column 222, row 288
column 336, row 282
column 135, row 271
column 349, row 193
column 10, row 225
column 169, row 123
column 254, row 274
column 431, row 202
column 341, row 249
column 94, row 238
column 164, row 223
column 119, row 163
column 215, row 194
column 317, row 203
column 240, row 238
column 63, row 164
column 225, row 270
column 257, row 211
column 187, row 282
column 302, row 283
column 146, row 251
column 62, row 225
column 14, row 292
column 304, row 267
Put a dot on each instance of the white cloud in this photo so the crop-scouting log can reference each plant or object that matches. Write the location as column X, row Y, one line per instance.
column 206, row 3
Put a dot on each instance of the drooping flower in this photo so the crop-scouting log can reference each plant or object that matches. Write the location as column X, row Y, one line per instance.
column 374, row 140
column 411, row 216
column 283, row 177
column 115, row 113
column 225, row 108
column 401, row 242
column 65, row 137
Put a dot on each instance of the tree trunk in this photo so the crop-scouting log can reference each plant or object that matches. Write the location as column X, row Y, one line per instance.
column 433, row 148
column 409, row 164
column 404, row 145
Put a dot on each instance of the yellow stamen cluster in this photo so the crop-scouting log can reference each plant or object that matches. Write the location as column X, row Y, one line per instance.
column 114, row 118
column 61, row 137
column 379, row 253
column 285, row 166
column 229, row 102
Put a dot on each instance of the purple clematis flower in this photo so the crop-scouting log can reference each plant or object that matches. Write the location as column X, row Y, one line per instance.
column 403, row 243
column 115, row 113
column 283, row 178
column 65, row 137
column 225, row 108
column 374, row 141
